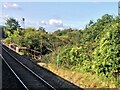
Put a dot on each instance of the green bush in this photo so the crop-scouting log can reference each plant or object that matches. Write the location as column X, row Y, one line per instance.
column 107, row 54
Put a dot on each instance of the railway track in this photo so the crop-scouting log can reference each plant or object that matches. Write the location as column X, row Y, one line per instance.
column 52, row 80
column 29, row 79
column 9, row 79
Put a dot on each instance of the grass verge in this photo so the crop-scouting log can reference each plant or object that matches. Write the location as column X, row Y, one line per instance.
column 81, row 79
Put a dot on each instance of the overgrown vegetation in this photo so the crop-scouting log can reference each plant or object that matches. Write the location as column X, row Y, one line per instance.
column 96, row 49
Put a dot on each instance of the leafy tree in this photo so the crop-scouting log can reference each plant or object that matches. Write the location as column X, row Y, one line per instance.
column 12, row 24
column 41, row 29
column 107, row 55
column 90, row 23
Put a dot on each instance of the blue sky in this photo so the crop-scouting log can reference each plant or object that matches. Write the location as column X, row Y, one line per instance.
column 57, row 15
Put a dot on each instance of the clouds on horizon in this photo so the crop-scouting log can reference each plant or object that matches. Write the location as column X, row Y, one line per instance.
column 56, row 22
column 52, row 24
column 43, row 22
column 11, row 5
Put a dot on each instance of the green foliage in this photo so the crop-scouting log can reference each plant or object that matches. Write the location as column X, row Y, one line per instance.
column 76, row 57
column 107, row 55
column 12, row 24
column 7, row 33
column 95, row 49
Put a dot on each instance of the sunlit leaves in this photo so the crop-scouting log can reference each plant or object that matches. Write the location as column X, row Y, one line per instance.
column 107, row 55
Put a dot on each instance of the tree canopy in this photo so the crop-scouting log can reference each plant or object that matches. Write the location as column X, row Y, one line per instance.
column 12, row 24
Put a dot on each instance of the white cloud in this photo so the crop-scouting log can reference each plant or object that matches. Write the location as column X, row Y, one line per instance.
column 43, row 22
column 52, row 23
column 10, row 5
column 61, row 28
column 56, row 22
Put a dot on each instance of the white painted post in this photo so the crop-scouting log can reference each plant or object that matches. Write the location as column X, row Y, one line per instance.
column 17, row 49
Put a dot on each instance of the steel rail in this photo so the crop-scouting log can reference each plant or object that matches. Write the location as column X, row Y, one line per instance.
column 29, row 69
column 14, row 73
